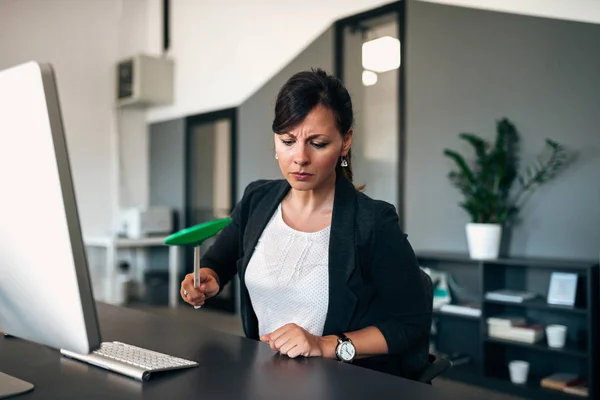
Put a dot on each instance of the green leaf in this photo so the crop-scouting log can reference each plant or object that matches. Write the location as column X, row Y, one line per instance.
column 478, row 144
column 462, row 165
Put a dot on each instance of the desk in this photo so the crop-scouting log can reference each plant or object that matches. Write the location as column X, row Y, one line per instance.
column 231, row 367
column 113, row 244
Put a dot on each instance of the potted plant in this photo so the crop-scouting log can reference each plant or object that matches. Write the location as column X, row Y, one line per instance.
column 486, row 184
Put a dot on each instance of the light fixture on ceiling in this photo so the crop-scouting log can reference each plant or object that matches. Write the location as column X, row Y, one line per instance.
column 381, row 54
column 369, row 78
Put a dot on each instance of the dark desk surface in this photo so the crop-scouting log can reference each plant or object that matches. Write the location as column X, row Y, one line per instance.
column 231, row 367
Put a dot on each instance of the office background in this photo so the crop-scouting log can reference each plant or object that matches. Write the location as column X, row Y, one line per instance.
column 222, row 59
column 466, row 64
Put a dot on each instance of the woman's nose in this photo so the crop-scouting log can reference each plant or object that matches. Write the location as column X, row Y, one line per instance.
column 301, row 155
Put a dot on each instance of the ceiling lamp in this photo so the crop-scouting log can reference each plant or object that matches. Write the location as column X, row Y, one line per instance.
column 381, row 54
column 369, row 78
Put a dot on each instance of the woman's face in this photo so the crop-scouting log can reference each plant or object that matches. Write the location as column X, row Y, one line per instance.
column 309, row 153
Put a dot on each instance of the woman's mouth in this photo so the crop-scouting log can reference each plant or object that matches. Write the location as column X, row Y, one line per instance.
column 301, row 176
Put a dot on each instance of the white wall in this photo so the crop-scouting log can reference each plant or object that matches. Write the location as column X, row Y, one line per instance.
column 225, row 50
column 79, row 39
column 133, row 36
column 83, row 40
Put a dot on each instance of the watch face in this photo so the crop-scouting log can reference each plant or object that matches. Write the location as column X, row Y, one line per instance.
column 347, row 351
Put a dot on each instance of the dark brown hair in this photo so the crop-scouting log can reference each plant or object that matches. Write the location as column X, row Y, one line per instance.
column 306, row 90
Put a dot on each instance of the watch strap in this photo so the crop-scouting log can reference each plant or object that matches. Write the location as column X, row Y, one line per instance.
column 344, row 338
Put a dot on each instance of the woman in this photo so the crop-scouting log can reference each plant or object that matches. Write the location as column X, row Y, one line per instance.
column 325, row 271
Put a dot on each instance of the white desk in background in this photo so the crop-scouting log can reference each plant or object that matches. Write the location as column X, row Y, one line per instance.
column 113, row 244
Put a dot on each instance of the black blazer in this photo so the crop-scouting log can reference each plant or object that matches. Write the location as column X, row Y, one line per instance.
column 374, row 278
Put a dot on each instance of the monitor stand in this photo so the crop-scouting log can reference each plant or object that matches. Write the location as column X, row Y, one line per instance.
column 11, row 386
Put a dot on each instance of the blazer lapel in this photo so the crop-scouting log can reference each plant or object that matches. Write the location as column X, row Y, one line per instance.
column 260, row 216
column 342, row 300
column 257, row 221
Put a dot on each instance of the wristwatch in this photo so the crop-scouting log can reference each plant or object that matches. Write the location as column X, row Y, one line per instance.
column 345, row 350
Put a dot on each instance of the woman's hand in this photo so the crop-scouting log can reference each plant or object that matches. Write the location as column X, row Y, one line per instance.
column 209, row 287
column 294, row 341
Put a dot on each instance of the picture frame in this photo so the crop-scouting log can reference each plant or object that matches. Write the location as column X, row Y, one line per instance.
column 563, row 289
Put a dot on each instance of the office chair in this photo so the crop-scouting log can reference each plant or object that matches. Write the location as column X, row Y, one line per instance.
column 437, row 365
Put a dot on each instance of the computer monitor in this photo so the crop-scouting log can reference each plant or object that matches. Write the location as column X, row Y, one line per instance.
column 45, row 291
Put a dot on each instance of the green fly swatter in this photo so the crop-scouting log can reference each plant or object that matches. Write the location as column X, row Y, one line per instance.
column 195, row 236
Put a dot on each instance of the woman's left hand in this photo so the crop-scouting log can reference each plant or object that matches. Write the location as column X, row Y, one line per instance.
column 294, row 341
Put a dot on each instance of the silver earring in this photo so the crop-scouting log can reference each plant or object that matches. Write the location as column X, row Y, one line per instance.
column 277, row 158
column 344, row 162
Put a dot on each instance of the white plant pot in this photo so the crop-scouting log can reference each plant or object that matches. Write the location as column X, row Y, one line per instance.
column 484, row 240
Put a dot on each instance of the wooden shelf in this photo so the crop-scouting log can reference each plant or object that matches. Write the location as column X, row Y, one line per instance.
column 570, row 349
column 540, row 304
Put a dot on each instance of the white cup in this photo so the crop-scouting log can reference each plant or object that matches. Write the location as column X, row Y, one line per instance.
column 556, row 335
column 518, row 371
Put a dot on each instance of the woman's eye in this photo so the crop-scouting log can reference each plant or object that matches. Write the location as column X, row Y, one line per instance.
column 287, row 142
column 319, row 145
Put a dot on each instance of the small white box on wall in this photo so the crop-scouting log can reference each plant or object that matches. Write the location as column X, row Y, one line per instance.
column 144, row 80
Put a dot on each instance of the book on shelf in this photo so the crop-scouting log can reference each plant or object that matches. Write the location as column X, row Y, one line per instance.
column 473, row 310
column 567, row 383
column 525, row 333
column 509, row 295
column 579, row 388
column 506, row 320
column 559, row 380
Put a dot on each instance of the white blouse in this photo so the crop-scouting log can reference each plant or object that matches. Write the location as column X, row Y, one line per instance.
column 288, row 277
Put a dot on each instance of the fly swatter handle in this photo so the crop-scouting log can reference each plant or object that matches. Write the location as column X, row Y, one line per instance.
column 197, row 270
